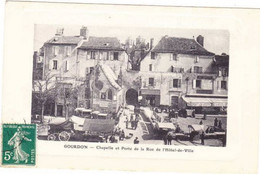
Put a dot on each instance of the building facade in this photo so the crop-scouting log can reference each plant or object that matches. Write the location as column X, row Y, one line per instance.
column 179, row 67
column 69, row 63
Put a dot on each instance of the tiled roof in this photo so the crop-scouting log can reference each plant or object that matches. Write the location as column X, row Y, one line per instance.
column 102, row 43
column 180, row 46
column 64, row 40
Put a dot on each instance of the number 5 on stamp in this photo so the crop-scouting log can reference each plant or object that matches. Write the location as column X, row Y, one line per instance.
column 19, row 144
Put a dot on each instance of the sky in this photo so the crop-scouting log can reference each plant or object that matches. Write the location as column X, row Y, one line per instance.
column 216, row 41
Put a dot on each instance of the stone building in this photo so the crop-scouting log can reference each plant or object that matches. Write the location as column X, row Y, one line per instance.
column 68, row 62
column 179, row 67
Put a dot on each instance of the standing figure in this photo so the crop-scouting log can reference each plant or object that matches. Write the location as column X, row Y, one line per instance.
column 123, row 134
column 169, row 139
column 136, row 121
column 165, row 139
column 202, row 136
column 17, row 140
column 133, row 124
column 204, row 116
column 201, row 123
column 220, row 124
column 215, row 122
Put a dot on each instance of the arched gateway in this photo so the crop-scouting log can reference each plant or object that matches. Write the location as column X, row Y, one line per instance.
column 131, row 97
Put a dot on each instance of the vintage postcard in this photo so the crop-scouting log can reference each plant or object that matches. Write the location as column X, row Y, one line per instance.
column 114, row 87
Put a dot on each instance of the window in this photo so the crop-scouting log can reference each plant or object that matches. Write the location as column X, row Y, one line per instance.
column 150, row 67
column 109, row 94
column 153, row 55
column 223, row 84
column 197, row 69
column 225, row 72
column 198, row 83
column 67, row 50
column 115, row 55
column 107, row 56
column 55, row 64
column 173, row 56
column 176, row 83
column 197, row 59
column 151, row 81
column 66, row 68
column 172, row 68
column 103, row 95
column 92, row 55
column 67, row 92
column 55, row 50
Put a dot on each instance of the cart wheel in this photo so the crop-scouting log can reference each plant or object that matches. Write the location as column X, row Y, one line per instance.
column 51, row 137
column 64, row 136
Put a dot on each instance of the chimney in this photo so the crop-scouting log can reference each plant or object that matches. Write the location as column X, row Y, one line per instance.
column 200, row 40
column 59, row 31
column 84, row 32
column 151, row 43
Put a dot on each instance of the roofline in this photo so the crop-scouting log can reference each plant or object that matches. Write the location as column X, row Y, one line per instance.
column 105, row 49
column 179, row 52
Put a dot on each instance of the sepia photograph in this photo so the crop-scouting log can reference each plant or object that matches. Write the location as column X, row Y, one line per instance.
column 132, row 85
column 130, row 88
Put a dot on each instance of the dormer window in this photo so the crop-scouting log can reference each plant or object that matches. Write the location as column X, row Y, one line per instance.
column 173, row 57
column 192, row 47
column 106, row 44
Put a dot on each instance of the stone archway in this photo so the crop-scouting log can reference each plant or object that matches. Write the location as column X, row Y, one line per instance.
column 131, row 97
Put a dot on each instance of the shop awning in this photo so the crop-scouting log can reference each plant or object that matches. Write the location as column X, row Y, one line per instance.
column 99, row 125
column 150, row 91
column 205, row 101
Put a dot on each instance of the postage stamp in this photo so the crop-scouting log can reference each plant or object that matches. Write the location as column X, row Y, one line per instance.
column 19, row 146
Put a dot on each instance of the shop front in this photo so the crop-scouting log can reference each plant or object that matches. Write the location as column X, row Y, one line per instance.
column 208, row 104
column 150, row 97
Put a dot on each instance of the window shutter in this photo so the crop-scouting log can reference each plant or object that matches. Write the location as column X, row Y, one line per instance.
column 219, row 72
column 56, row 50
column 194, row 84
column 58, row 65
column 53, row 50
column 50, row 64
column 226, row 85
column 179, row 83
column 67, row 65
column 171, row 56
column 68, row 50
column 112, row 56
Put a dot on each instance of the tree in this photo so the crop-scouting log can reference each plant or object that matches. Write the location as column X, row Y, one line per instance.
column 44, row 90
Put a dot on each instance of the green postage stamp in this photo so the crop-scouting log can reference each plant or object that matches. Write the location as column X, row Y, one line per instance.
column 19, row 144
